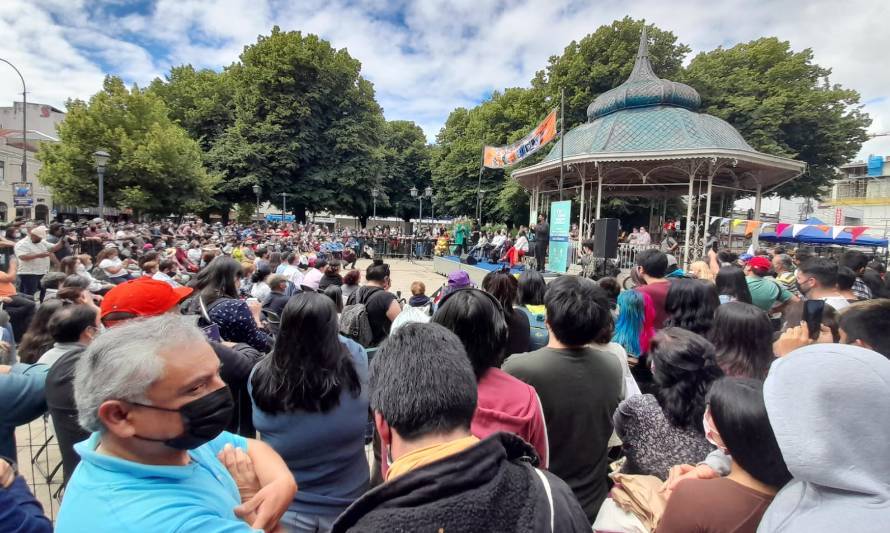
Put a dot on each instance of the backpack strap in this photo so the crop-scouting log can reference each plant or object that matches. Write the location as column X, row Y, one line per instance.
column 365, row 296
column 549, row 492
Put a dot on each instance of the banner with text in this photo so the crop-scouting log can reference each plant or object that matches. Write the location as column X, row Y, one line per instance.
column 560, row 223
column 502, row 156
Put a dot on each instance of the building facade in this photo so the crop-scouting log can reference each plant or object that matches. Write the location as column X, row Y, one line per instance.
column 43, row 121
column 861, row 197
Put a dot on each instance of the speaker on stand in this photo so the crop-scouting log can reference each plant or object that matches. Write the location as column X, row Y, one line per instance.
column 605, row 238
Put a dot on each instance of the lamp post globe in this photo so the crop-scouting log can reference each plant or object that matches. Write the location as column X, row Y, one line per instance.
column 413, row 192
column 101, row 157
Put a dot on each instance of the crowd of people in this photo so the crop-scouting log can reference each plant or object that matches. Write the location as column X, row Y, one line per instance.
column 210, row 377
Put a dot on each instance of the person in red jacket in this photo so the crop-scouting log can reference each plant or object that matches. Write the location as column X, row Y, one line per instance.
column 505, row 403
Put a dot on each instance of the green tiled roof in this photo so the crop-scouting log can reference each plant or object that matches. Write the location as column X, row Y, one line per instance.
column 645, row 114
column 647, row 129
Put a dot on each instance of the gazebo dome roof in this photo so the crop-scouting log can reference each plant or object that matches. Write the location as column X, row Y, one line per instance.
column 648, row 114
column 643, row 89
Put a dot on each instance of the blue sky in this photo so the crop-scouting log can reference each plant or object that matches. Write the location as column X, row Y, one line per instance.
column 424, row 57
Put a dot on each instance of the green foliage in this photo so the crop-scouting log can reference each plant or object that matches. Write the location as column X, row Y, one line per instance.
column 198, row 100
column 154, row 166
column 405, row 163
column 783, row 104
column 603, row 60
column 306, row 124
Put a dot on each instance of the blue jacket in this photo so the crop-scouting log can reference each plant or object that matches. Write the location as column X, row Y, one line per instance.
column 20, row 512
column 23, row 400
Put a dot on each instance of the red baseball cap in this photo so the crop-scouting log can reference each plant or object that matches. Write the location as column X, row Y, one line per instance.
column 759, row 262
column 143, row 297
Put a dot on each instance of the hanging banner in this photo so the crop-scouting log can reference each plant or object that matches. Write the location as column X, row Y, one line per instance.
column 502, row 156
column 780, row 227
column 560, row 222
column 22, row 196
column 856, row 231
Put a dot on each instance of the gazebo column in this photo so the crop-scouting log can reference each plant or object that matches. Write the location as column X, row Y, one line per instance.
column 599, row 194
column 581, row 216
column 689, row 200
column 755, row 235
column 707, row 222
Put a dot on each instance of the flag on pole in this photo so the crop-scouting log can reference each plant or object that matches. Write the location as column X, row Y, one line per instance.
column 502, row 156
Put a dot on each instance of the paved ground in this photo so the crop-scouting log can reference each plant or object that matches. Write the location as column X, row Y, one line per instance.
column 404, row 273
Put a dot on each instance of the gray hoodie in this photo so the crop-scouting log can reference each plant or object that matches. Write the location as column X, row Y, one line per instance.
column 829, row 405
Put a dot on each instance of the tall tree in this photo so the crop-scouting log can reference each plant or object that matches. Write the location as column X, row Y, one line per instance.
column 306, row 124
column 406, row 163
column 603, row 60
column 198, row 100
column 586, row 68
column 154, row 166
column 783, row 104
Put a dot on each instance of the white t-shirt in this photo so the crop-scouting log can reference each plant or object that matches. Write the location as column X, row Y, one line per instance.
column 108, row 262
column 837, row 302
column 34, row 266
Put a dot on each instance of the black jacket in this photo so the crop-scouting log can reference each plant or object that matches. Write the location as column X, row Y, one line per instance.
column 490, row 487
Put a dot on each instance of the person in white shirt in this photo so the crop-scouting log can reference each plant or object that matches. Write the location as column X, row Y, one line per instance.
column 817, row 280
column 33, row 255
column 165, row 273
column 498, row 239
column 111, row 264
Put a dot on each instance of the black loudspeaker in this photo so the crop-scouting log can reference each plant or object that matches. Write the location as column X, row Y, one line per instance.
column 605, row 238
column 467, row 259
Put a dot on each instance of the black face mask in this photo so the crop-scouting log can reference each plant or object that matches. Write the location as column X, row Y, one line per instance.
column 203, row 419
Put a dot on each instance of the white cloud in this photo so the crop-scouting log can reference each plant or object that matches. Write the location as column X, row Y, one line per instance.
column 425, row 57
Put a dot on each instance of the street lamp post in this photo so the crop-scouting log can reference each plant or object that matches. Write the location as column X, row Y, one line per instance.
column 101, row 158
column 428, row 192
column 414, row 194
column 24, row 122
column 257, row 190
column 374, row 193
column 284, row 196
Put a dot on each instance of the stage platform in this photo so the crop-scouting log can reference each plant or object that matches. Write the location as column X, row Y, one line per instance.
column 447, row 264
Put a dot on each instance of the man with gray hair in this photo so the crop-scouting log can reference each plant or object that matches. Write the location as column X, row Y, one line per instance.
column 158, row 458
column 441, row 477
column 783, row 266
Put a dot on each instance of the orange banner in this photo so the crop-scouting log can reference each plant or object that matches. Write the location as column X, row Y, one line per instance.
column 502, row 156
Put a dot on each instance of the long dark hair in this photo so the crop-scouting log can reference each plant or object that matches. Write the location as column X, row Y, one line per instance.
column 683, row 366
column 690, row 305
column 37, row 339
column 477, row 318
column 740, row 417
column 743, row 337
column 731, row 282
column 309, row 366
column 503, row 286
column 217, row 279
column 531, row 288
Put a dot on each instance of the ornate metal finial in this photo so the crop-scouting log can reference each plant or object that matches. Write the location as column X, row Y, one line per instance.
column 642, row 68
column 643, row 51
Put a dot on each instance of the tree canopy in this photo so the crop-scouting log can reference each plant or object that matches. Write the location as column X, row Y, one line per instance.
column 783, row 104
column 306, row 124
column 155, row 167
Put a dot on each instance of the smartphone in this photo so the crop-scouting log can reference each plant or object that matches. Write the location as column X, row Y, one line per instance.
column 812, row 315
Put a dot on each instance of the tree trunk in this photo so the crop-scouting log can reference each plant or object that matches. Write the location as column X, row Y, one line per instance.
column 363, row 220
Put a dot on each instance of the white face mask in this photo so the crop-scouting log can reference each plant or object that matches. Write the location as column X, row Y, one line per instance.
column 709, row 431
column 80, row 268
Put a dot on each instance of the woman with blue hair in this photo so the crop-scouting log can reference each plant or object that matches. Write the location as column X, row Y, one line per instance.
column 634, row 329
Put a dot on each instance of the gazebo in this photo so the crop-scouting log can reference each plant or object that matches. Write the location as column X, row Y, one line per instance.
column 646, row 138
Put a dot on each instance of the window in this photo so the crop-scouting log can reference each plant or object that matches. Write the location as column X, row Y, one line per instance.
column 3, row 210
column 2, row 172
column 41, row 212
column 852, row 188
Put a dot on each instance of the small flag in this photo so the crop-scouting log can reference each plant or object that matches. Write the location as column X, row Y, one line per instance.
column 856, row 231
column 780, row 227
column 797, row 229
